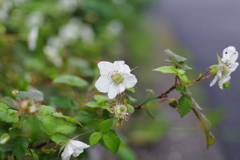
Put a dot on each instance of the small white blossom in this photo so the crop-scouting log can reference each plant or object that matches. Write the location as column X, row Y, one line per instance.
column 74, row 148
column 115, row 78
column 120, row 111
column 226, row 66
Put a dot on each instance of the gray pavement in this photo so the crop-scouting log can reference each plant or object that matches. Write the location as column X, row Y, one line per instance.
column 204, row 28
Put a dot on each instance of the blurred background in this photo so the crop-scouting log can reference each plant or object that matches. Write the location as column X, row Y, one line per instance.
column 41, row 39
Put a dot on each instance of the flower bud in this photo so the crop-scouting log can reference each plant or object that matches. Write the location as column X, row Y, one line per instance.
column 173, row 103
column 227, row 85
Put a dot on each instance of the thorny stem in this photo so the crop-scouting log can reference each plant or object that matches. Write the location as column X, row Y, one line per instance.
column 165, row 94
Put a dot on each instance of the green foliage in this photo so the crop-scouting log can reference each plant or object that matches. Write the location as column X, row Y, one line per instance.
column 177, row 60
column 71, row 81
column 65, row 102
column 106, row 125
column 9, row 102
column 9, row 116
column 170, row 69
column 126, row 153
column 19, row 146
column 67, row 118
column 184, row 105
column 130, row 109
column 4, row 138
column 183, row 89
column 31, row 95
column 94, row 138
column 58, row 137
column 111, row 141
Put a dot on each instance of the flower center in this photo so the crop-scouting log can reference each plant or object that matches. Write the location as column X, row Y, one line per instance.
column 117, row 78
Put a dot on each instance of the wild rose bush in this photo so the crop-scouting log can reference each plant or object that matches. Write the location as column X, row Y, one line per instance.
column 57, row 99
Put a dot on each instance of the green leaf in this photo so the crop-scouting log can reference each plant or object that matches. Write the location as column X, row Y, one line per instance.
column 111, row 141
column 106, row 125
column 3, row 107
column 100, row 98
column 4, row 138
column 183, row 89
column 150, row 114
column 126, row 153
column 92, row 104
column 205, row 126
column 67, row 118
column 45, row 110
column 71, row 80
column 19, row 146
column 183, row 78
column 183, row 66
column 169, row 69
column 131, row 89
column 87, row 117
column 31, row 95
column 174, row 57
column 130, row 108
column 63, row 102
column 10, row 116
column 10, row 102
column 5, row 148
column 94, row 138
column 184, row 105
column 58, row 137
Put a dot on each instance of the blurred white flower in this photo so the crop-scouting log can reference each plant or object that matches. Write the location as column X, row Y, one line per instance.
column 4, row 9
column 115, row 27
column 33, row 21
column 53, row 55
column 120, row 111
column 226, row 66
column 70, row 32
column 32, row 38
column 74, row 30
column 87, row 34
column 115, row 78
column 67, row 5
column 74, row 148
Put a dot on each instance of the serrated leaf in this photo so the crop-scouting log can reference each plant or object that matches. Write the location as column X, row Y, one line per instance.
column 62, row 102
column 5, row 148
column 174, row 57
column 58, row 137
column 10, row 116
column 166, row 69
column 130, row 108
column 94, row 138
column 67, row 118
column 31, row 95
column 71, row 80
column 106, row 125
column 183, row 78
column 111, row 141
column 100, row 98
column 92, row 104
column 45, row 110
column 87, row 117
column 131, row 89
column 184, row 105
column 9, row 102
column 19, row 146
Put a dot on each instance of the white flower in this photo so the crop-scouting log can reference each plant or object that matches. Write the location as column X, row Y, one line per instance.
column 74, row 148
column 120, row 111
column 226, row 66
column 115, row 78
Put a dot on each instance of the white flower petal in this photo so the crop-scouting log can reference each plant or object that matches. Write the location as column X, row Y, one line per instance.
column 113, row 91
column 214, row 81
column 126, row 69
column 118, row 66
column 105, row 67
column 129, row 80
column 103, row 84
column 233, row 66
